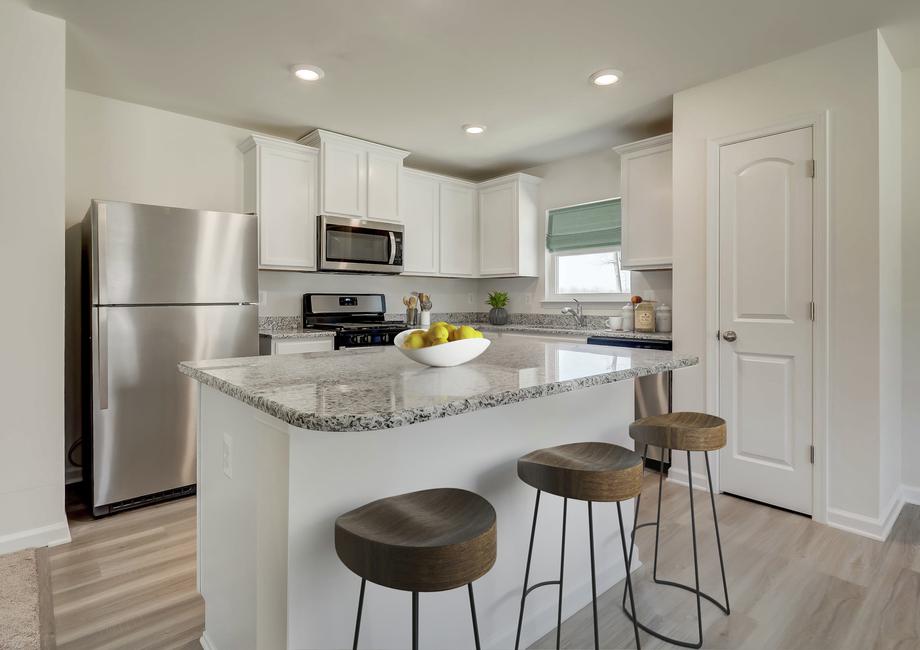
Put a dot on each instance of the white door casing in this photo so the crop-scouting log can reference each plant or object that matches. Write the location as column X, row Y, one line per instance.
column 765, row 297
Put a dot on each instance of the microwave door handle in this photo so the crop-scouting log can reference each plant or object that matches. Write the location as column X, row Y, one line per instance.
column 392, row 247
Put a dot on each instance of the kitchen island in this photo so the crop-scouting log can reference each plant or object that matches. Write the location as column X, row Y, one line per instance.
column 287, row 443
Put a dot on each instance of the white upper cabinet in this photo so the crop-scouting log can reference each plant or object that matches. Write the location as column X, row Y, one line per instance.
column 508, row 226
column 280, row 179
column 645, row 188
column 357, row 178
column 419, row 210
column 458, row 241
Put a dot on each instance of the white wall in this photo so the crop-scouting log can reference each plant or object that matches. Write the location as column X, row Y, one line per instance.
column 580, row 179
column 31, row 278
column 910, row 450
column 841, row 77
column 889, row 294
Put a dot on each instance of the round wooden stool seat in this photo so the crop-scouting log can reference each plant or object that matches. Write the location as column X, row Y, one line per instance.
column 683, row 431
column 430, row 540
column 586, row 471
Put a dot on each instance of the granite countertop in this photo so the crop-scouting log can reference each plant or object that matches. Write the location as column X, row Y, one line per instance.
column 367, row 389
column 297, row 333
column 571, row 331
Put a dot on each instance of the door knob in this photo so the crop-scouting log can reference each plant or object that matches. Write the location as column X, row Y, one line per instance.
column 729, row 336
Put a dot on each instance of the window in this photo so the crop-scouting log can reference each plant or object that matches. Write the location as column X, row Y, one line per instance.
column 590, row 273
column 583, row 253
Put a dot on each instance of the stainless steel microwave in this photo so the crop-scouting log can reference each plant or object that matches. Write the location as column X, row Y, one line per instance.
column 359, row 245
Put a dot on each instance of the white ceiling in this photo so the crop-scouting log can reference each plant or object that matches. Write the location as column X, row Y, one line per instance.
column 409, row 73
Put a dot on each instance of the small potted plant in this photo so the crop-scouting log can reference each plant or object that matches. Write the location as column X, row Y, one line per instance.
column 498, row 300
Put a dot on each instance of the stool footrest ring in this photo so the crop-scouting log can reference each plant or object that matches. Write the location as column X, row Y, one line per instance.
column 541, row 584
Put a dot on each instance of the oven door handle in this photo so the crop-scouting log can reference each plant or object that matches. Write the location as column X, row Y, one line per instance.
column 392, row 247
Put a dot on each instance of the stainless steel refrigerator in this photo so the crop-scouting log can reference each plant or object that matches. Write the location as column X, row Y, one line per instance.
column 160, row 285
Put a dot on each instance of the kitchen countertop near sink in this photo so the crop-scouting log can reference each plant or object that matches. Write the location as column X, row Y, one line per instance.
column 374, row 388
column 297, row 333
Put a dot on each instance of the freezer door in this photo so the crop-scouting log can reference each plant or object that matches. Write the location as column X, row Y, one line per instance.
column 148, row 254
column 145, row 411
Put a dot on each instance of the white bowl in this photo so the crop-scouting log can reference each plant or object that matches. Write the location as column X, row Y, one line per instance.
column 445, row 355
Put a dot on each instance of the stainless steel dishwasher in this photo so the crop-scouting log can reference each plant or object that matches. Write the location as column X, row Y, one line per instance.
column 653, row 393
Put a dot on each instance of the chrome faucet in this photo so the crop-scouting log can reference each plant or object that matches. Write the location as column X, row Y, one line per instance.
column 580, row 319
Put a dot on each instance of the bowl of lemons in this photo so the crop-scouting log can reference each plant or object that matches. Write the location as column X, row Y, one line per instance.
column 442, row 345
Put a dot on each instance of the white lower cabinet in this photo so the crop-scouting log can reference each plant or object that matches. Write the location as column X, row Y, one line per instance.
column 280, row 180
column 299, row 346
column 419, row 210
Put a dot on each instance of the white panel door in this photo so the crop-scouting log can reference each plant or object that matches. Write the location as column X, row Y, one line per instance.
column 765, row 276
column 458, row 230
column 383, row 180
column 287, row 209
column 420, row 216
column 344, row 179
column 498, row 239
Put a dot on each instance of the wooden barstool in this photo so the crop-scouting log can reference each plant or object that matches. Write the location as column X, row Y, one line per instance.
column 686, row 432
column 432, row 540
column 586, row 471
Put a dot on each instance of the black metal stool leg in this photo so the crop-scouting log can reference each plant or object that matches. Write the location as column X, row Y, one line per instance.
column 565, row 509
column 533, row 530
column 414, row 620
column 354, row 645
column 696, row 564
column 473, row 614
column 715, row 521
column 658, row 515
column 632, row 535
column 632, row 602
column 597, row 644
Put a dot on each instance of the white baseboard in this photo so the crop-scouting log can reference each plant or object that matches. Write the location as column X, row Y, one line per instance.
column 206, row 643
column 52, row 535
column 678, row 476
column 910, row 494
column 874, row 528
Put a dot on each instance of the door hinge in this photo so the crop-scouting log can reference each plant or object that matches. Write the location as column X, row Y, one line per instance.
column 811, row 454
column 810, row 168
column 811, row 310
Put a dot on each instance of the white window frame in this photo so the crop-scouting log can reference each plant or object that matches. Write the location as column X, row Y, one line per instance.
column 551, row 295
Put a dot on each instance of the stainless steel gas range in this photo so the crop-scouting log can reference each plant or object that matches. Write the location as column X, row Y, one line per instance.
column 358, row 319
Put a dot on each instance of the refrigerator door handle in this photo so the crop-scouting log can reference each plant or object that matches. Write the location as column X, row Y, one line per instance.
column 101, row 245
column 102, row 356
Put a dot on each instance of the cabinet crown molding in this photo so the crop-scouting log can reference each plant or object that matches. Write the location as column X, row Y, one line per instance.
column 519, row 176
column 268, row 141
column 316, row 137
column 656, row 141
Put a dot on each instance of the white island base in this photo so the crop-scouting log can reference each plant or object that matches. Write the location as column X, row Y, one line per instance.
column 269, row 494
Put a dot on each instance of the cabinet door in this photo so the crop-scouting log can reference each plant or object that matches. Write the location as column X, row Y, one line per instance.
column 420, row 216
column 646, row 191
column 498, row 230
column 458, row 230
column 344, row 179
column 383, row 181
column 287, row 209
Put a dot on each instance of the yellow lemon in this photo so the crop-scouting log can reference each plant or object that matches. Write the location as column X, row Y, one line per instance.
column 437, row 334
column 414, row 341
column 467, row 332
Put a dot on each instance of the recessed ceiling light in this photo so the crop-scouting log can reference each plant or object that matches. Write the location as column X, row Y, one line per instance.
column 606, row 77
column 308, row 72
column 474, row 129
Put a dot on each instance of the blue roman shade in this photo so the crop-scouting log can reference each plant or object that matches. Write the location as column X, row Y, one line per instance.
column 589, row 225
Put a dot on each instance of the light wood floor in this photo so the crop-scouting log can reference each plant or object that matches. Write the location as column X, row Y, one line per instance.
column 128, row 581
column 791, row 583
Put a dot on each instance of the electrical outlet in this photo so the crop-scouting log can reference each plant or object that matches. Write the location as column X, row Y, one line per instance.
column 263, row 299
column 227, row 456
column 526, row 298
column 469, row 299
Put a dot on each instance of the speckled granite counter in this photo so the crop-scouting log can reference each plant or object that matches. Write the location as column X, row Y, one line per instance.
column 379, row 388
column 297, row 333
column 571, row 331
